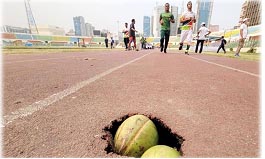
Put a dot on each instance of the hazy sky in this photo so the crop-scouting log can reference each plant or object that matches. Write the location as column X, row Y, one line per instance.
column 104, row 14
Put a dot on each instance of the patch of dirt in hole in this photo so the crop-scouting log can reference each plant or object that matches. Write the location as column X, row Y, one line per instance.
column 166, row 136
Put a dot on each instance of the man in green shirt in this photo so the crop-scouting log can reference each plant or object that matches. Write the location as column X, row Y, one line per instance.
column 165, row 19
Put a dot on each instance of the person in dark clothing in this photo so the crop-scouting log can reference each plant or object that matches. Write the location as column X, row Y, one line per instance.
column 223, row 42
column 111, row 42
column 143, row 42
column 132, row 35
column 106, row 42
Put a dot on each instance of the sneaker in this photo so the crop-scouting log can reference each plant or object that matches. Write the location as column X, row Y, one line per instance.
column 165, row 51
column 180, row 47
column 161, row 49
column 186, row 52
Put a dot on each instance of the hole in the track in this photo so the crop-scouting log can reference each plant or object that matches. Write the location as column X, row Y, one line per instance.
column 166, row 136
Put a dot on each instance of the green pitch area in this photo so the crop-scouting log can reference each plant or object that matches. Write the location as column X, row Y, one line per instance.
column 243, row 55
column 37, row 50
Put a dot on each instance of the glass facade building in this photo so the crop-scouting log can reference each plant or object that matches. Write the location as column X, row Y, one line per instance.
column 147, row 26
column 204, row 13
column 79, row 24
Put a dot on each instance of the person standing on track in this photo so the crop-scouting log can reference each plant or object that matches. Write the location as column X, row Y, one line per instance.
column 242, row 35
column 187, row 19
column 111, row 42
column 202, row 33
column 106, row 42
column 165, row 19
column 132, row 34
column 222, row 45
column 126, row 36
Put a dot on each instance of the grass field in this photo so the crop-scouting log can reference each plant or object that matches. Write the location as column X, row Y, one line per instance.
column 243, row 55
column 36, row 50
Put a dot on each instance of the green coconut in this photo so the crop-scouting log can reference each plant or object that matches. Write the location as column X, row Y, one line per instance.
column 135, row 135
column 161, row 151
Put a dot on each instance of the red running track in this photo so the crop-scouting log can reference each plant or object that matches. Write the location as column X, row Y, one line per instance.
column 216, row 108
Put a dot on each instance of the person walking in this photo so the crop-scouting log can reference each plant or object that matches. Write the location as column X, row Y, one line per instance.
column 222, row 45
column 111, row 42
column 106, row 42
column 165, row 19
column 143, row 43
column 242, row 35
column 126, row 36
column 202, row 33
column 132, row 34
column 187, row 19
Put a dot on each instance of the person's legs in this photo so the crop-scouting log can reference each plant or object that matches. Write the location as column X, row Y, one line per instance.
column 167, row 34
column 197, row 44
column 189, row 38
column 219, row 48
column 240, row 45
column 201, row 41
column 134, row 41
column 162, row 34
column 183, row 36
column 125, row 43
column 130, row 41
column 223, row 47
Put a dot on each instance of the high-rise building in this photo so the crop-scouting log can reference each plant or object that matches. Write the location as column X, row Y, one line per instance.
column 79, row 24
column 147, row 26
column 251, row 9
column 151, row 26
column 204, row 13
column 156, row 27
column 156, row 24
column 89, row 29
column 173, row 27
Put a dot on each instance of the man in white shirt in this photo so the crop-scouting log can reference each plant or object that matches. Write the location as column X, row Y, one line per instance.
column 126, row 36
column 202, row 33
column 242, row 35
column 187, row 19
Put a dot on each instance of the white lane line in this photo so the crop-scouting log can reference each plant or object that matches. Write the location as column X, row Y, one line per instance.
column 28, row 110
column 227, row 67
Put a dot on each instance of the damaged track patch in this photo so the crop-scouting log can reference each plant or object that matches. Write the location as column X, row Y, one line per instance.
column 166, row 136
